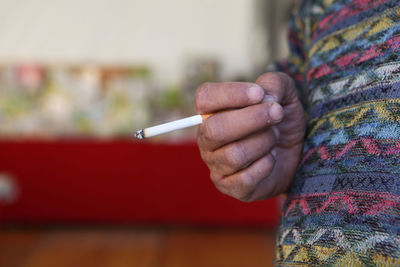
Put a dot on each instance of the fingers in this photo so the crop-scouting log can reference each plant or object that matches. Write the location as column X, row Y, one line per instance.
column 239, row 155
column 279, row 86
column 257, row 121
column 225, row 127
column 212, row 97
column 242, row 184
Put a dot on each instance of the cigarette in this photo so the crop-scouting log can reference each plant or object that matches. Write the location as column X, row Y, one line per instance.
column 171, row 126
column 180, row 124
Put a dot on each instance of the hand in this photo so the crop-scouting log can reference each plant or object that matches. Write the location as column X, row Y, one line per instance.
column 253, row 147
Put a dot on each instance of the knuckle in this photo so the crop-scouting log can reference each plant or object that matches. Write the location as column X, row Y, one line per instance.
column 248, row 184
column 201, row 97
column 239, row 194
column 236, row 156
column 244, row 196
column 247, row 180
column 243, row 188
column 219, row 185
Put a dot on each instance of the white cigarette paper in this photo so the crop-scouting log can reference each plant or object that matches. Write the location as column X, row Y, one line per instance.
column 170, row 126
column 181, row 124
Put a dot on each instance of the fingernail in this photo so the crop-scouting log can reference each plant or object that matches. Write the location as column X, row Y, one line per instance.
column 276, row 112
column 255, row 93
column 269, row 98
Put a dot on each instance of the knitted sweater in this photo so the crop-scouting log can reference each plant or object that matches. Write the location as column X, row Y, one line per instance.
column 344, row 205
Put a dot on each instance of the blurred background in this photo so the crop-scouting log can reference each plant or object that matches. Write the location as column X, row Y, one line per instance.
column 77, row 79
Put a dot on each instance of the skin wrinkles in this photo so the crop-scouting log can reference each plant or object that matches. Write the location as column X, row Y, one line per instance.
column 251, row 147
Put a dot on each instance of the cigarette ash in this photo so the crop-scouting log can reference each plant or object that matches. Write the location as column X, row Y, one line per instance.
column 139, row 134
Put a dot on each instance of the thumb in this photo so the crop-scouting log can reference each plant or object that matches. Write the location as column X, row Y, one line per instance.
column 279, row 87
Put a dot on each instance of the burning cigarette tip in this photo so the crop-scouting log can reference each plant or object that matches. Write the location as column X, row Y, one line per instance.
column 139, row 134
column 169, row 127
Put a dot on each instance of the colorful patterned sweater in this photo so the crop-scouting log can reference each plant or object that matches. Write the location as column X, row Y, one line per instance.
column 344, row 205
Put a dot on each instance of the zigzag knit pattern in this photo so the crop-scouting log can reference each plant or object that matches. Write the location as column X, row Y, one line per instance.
column 344, row 205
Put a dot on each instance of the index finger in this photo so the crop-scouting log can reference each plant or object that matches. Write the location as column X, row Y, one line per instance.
column 212, row 97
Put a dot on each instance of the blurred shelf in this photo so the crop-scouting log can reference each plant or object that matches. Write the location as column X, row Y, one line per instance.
column 119, row 181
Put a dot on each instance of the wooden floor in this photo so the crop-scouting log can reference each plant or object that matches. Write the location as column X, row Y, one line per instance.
column 142, row 247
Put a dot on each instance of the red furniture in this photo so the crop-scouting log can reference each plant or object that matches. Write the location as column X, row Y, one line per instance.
column 120, row 181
